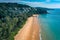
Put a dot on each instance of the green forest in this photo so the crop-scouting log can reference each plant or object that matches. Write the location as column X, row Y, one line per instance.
column 12, row 18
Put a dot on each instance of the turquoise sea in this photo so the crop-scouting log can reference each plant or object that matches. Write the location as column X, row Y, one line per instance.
column 50, row 25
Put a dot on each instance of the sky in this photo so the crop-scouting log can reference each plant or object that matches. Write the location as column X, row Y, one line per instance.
column 37, row 3
column 43, row 0
column 30, row 0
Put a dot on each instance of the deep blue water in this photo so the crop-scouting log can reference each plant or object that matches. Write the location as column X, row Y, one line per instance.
column 50, row 25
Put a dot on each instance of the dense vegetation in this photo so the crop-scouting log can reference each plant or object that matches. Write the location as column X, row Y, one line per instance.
column 41, row 10
column 12, row 18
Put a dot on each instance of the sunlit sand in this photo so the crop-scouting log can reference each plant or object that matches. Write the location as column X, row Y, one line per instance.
column 30, row 30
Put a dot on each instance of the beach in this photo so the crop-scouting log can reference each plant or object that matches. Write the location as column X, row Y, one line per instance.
column 30, row 30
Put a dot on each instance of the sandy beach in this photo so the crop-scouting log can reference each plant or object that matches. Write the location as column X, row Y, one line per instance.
column 30, row 30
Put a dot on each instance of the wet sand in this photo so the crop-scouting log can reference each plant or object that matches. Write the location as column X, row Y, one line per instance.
column 30, row 30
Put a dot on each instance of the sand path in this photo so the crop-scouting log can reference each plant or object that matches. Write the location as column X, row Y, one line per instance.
column 30, row 30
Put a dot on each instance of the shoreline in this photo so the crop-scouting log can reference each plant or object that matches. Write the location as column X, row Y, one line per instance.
column 30, row 30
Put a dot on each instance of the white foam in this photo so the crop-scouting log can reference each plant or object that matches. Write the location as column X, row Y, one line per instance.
column 40, row 37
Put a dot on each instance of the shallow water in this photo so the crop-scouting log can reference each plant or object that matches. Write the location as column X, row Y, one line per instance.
column 50, row 25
